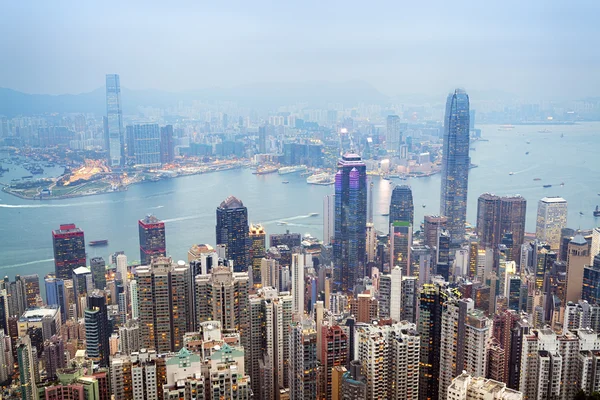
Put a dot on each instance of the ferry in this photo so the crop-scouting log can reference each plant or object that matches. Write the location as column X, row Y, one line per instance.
column 526, row 153
column 322, row 178
column 385, row 214
column 596, row 212
column 537, row 179
column 103, row 242
column 511, row 173
column 291, row 170
column 285, row 182
column 580, row 212
column 265, row 170
column 547, row 186
column 313, row 214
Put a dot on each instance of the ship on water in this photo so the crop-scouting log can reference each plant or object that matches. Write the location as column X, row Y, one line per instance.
column 292, row 169
column 94, row 243
column 322, row 178
column 265, row 170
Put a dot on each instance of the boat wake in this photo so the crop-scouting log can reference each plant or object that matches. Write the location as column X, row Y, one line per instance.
column 155, row 208
column 527, row 169
column 52, row 205
column 27, row 263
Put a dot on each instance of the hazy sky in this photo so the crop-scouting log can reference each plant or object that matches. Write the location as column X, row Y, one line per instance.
column 534, row 48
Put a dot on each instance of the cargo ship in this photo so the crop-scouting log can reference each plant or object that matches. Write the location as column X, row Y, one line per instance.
column 98, row 243
column 265, row 170
column 291, row 170
column 322, row 178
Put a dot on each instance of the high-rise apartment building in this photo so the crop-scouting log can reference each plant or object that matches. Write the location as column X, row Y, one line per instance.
column 115, row 143
column 29, row 374
column 164, row 306
column 153, row 242
column 455, row 165
column 69, row 250
column 258, row 244
column 298, row 284
column 578, row 256
column 333, row 353
column 551, row 219
column 328, row 218
column 349, row 246
column 401, row 205
column 303, row 360
column 146, row 145
column 97, row 328
column 590, row 290
column 268, row 351
column 232, row 230
column 393, row 138
column 497, row 215
column 389, row 355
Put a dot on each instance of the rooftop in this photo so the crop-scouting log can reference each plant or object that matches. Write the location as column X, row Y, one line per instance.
column 231, row 202
column 555, row 199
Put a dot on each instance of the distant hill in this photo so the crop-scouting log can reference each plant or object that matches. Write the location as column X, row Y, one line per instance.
column 257, row 96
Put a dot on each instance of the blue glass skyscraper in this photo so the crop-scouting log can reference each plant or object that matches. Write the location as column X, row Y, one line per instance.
column 350, row 221
column 455, row 165
column 233, row 231
column 115, row 141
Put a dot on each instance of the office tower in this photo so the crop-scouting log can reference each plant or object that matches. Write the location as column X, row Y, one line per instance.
column 55, row 294
column 590, row 290
column 400, row 245
column 298, row 284
column 431, row 305
column 350, row 221
column 442, row 266
column 262, row 139
column 152, row 239
column 167, row 147
column 122, row 271
column 257, row 251
column 268, row 351
column 385, row 295
column 396, row 294
column 288, row 239
column 389, row 355
column 409, row 291
column 578, row 257
column 7, row 362
column 98, row 267
column 303, row 361
column 464, row 335
column 401, row 205
column 432, row 225
column 134, row 299
column 114, row 122
column 332, row 353
column 393, row 138
column 328, row 218
column 455, row 165
column 467, row 387
column 69, row 250
column 164, row 309
column 595, row 246
column 82, row 285
column 551, row 218
column 146, row 144
column 97, row 329
column 31, row 289
column 497, row 215
column 232, row 231
column 28, row 368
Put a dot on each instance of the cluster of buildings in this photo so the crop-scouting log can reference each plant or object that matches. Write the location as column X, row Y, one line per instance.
column 440, row 312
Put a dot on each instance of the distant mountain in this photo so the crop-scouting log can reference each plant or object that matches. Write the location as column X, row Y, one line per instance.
column 257, row 96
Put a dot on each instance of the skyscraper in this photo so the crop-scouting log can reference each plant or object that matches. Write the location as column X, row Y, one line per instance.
column 258, row 244
column 97, row 329
column 69, row 250
column 577, row 258
column 591, row 282
column 349, row 245
column 333, row 353
column 455, row 165
column 298, row 284
column 146, row 144
column 31, row 290
column 232, row 230
column 400, row 245
column 393, row 138
column 55, row 295
column 551, row 218
column 497, row 215
column 303, row 362
column 401, row 205
column 114, row 118
column 98, row 267
column 167, row 148
column 152, row 239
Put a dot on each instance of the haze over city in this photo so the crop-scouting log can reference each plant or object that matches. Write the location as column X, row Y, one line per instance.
column 535, row 49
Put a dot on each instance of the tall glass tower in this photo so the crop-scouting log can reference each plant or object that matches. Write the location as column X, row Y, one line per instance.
column 350, row 221
column 455, row 165
column 233, row 231
column 114, row 122
column 401, row 205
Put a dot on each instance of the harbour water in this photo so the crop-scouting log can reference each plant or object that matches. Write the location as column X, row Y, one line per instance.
column 566, row 154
